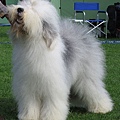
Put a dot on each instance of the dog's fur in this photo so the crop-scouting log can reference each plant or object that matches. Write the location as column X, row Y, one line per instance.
column 54, row 63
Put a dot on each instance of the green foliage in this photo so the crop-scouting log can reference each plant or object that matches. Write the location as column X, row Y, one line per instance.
column 8, row 108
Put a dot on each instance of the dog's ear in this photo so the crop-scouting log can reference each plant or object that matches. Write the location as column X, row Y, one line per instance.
column 49, row 33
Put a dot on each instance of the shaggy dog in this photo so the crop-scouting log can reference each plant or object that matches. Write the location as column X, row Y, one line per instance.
column 55, row 64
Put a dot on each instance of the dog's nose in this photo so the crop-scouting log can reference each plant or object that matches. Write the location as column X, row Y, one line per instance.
column 19, row 10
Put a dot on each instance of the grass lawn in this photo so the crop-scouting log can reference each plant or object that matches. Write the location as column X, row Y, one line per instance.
column 8, row 108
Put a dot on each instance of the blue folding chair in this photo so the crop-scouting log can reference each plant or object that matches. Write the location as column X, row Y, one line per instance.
column 81, row 7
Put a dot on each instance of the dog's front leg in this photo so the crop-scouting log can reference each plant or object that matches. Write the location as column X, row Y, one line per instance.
column 28, row 109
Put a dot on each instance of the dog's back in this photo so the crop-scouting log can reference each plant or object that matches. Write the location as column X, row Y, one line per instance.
column 81, row 48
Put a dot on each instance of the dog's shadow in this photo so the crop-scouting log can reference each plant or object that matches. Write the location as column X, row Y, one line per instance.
column 78, row 110
column 8, row 110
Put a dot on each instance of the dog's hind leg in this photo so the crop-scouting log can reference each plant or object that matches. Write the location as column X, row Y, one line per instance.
column 93, row 95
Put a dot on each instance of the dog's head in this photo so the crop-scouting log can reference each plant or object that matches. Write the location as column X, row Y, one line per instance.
column 34, row 18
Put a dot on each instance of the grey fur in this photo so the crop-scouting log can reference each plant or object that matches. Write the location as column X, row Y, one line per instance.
column 77, row 42
column 49, row 32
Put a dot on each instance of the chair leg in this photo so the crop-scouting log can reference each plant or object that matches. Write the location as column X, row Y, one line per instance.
column 106, row 30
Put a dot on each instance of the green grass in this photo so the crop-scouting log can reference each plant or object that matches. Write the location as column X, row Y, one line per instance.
column 7, row 104
column 8, row 108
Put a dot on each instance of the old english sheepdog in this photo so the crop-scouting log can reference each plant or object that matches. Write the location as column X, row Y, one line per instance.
column 55, row 64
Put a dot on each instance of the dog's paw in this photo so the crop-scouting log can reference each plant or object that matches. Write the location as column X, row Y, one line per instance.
column 22, row 117
column 101, row 108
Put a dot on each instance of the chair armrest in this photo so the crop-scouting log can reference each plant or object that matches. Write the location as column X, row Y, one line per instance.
column 81, row 12
column 102, row 12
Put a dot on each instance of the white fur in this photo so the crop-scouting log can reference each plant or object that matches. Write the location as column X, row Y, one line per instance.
column 53, row 59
